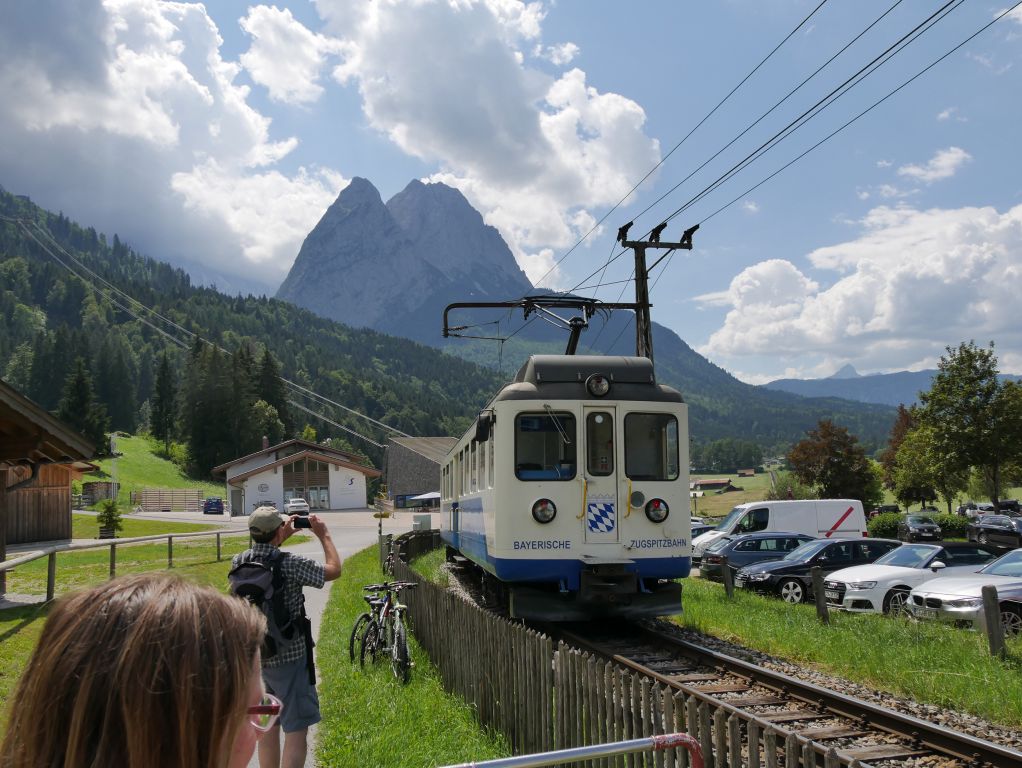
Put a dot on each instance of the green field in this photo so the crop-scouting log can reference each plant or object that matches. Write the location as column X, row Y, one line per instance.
column 84, row 526
column 715, row 505
column 140, row 467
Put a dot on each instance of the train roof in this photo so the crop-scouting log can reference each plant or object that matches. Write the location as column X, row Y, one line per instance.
column 563, row 377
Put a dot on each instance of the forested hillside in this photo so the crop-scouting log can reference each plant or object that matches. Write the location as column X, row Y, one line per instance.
column 49, row 318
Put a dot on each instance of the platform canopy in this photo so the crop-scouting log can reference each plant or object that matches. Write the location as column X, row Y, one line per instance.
column 425, row 496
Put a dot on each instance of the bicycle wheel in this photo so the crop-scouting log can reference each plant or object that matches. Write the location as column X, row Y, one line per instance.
column 356, row 635
column 399, row 661
column 370, row 649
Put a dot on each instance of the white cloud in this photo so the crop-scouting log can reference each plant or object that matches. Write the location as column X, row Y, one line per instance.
column 912, row 283
column 285, row 56
column 751, row 206
column 942, row 165
column 560, row 55
column 884, row 163
column 947, row 114
column 134, row 108
column 1014, row 15
column 533, row 153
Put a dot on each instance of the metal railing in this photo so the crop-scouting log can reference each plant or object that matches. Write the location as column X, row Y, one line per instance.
column 52, row 552
column 577, row 754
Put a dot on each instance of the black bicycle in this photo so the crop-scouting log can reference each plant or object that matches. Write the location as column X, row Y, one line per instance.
column 385, row 632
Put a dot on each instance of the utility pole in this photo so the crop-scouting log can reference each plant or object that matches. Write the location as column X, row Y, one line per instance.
column 643, row 323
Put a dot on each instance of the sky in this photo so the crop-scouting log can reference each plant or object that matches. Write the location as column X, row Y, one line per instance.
column 214, row 135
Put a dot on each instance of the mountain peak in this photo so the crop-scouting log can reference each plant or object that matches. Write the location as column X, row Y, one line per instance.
column 847, row 371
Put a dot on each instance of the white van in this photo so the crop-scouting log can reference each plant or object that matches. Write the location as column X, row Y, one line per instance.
column 823, row 518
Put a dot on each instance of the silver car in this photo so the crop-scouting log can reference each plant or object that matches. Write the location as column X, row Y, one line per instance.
column 959, row 599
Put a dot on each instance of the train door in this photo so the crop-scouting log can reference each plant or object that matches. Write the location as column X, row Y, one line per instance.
column 600, row 450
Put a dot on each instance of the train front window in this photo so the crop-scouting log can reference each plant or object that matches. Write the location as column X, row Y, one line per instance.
column 600, row 444
column 545, row 446
column 651, row 446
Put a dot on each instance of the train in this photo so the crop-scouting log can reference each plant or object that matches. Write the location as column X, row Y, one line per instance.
column 570, row 491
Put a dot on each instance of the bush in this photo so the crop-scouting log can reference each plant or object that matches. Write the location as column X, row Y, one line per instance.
column 108, row 515
column 884, row 525
column 952, row 526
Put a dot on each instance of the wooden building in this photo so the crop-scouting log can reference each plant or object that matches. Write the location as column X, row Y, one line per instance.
column 39, row 457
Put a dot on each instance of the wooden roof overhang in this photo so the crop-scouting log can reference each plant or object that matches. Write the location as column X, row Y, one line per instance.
column 31, row 435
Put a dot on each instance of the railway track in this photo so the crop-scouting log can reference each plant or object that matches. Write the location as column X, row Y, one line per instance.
column 857, row 730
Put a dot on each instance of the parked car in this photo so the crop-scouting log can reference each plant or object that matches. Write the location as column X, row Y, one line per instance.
column 214, row 505
column 1001, row 531
column 918, row 528
column 296, row 506
column 698, row 529
column 790, row 577
column 1009, row 507
column 746, row 549
column 883, row 509
column 959, row 599
column 883, row 586
column 837, row 518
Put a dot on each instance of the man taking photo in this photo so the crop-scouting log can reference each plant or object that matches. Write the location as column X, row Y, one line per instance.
column 287, row 663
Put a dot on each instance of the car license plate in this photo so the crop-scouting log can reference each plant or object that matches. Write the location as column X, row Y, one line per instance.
column 830, row 594
column 739, row 582
column 926, row 613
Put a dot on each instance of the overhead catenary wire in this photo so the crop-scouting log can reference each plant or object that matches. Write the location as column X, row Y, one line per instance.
column 683, row 140
column 807, row 115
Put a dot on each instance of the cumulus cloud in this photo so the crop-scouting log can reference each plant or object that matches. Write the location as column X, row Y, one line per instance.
column 751, row 206
column 285, row 56
column 557, row 54
column 942, row 165
column 912, row 283
column 133, row 109
column 532, row 152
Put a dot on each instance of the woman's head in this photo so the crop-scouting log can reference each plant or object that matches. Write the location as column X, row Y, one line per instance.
column 148, row 670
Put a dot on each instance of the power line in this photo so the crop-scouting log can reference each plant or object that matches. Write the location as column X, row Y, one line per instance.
column 683, row 140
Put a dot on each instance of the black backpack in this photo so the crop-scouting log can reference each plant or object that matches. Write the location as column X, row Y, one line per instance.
column 261, row 582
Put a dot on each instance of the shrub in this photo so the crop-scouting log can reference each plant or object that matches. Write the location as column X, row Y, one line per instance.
column 109, row 515
column 884, row 525
column 952, row 526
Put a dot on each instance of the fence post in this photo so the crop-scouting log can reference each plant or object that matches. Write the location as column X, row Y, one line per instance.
column 992, row 620
column 51, row 575
column 218, row 549
column 729, row 578
column 113, row 560
column 821, row 599
column 170, row 551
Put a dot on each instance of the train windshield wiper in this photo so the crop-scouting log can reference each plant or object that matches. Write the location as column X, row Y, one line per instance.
column 557, row 423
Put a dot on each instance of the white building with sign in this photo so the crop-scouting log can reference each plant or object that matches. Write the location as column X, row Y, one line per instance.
column 327, row 478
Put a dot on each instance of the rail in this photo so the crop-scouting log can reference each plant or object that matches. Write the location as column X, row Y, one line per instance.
column 630, row 747
column 52, row 552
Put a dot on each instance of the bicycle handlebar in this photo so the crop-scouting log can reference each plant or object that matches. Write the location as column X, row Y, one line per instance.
column 390, row 586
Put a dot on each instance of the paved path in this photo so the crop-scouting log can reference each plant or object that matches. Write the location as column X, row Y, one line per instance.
column 352, row 531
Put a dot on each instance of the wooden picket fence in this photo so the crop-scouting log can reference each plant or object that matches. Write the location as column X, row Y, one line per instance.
column 544, row 696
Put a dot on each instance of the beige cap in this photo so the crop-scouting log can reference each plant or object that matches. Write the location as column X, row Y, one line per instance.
column 265, row 519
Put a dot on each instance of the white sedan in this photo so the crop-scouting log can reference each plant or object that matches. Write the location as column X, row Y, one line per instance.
column 883, row 586
column 960, row 599
column 296, row 506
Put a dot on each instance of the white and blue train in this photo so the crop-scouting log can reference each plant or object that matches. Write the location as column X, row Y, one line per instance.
column 571, row 491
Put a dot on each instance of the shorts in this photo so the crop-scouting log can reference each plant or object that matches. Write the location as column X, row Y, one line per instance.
column 290, row 684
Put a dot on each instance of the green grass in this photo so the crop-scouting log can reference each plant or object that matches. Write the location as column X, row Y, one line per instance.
column 927, row 662
column 85, row 527
column 719, row 504
column 371, row 720
column 140, row 467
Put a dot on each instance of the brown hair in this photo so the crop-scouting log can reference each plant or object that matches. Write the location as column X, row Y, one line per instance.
column 149, row 670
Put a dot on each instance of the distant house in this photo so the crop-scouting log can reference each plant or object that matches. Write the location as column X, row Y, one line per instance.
column 710, row 484
column 412, row 466
column 39, row 457
column 746, row 472
column 327, row 478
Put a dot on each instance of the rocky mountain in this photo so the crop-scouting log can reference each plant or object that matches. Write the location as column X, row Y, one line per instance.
column 393, row 267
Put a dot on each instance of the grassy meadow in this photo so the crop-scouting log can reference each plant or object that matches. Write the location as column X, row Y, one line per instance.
column 140, row 467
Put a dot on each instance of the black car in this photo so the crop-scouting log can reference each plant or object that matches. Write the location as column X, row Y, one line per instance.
column 1009, row 507
column 746, row 549
column 1004, row 531
column 213, row 506
column 790, row 577
column 918, row 528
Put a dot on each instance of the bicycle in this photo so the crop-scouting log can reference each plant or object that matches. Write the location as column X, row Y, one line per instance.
column 386, row 631
column 374, row 601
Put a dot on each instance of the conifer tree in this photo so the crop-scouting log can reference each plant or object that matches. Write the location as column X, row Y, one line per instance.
column 78, row 406
column 164, row 403
column 271, row 388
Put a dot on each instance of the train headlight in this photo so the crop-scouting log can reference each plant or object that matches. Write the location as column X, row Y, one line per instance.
column 657, row 510
column 543, row 511
column 598, row 385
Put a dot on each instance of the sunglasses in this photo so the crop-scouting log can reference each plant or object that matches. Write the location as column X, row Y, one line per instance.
column 263, row 716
